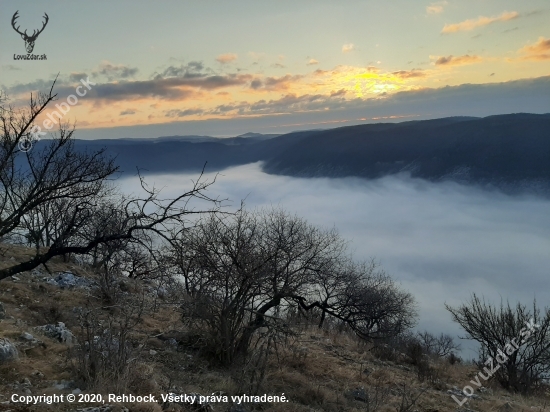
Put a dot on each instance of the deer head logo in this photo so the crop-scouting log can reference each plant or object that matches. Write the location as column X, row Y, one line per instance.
column 29, row 40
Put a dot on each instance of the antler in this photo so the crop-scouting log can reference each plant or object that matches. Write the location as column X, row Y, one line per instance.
column 34, row 33
column 15, row 16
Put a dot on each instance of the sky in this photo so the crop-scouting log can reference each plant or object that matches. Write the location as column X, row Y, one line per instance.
column 224, row 68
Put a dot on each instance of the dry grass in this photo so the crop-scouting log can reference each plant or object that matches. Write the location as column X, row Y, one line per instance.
column 316, row 370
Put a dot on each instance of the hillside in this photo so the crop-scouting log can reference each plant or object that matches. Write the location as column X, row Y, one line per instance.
column 498, row 150
column 510, row 152
column 317, row 370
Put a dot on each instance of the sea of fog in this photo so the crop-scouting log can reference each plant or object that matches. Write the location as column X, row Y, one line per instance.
column 440, row 241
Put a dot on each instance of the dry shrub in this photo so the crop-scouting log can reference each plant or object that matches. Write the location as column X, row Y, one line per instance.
column 249, row 373
column 106, row 354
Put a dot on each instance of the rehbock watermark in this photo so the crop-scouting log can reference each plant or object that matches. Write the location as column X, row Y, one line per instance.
column 501, row 357
column 55, row 116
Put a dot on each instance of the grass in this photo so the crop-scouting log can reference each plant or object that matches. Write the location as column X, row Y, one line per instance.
column 316, row 369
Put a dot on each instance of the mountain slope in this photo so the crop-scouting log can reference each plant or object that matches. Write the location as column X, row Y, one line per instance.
column 499, row 150
column 506, row 151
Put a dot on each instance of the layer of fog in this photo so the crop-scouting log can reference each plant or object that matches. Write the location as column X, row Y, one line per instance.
column 441, row 241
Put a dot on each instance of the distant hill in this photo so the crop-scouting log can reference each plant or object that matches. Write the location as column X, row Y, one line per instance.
column 506, row 151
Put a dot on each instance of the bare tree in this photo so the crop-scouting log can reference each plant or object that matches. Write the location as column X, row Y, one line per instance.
column 441, row 346
column 60, row 199
column 242, row 272
column 516, row 338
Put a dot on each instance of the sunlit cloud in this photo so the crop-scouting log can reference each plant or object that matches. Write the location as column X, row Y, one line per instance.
column 312, row 62
column 436, row 8
column 455, row 61
column 481, row 21
column 226, row 58
column 346, row 48
column 538, row 52
column 410, row 74
column 183, row 113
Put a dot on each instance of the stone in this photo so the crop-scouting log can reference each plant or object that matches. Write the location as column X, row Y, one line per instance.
column 2, row 311
column 27, row 336
column 171, row 342
column 67, row 280
column 61, row 385
column 58, row 332
column 360, row 394
column 152, row 352
column 8, row 351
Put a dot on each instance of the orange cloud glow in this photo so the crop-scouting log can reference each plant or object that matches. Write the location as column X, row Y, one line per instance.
column 481, row 21
column 346, row 48
column 436, row 8
column 539, row 51
column 455, row 61
column 226, row 58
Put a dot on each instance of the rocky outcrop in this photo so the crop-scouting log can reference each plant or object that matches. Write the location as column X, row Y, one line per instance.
column 58, row 332
column 8, row 351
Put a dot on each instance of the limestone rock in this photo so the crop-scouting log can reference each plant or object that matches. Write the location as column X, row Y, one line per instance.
column 58, row 332
column 8, row 351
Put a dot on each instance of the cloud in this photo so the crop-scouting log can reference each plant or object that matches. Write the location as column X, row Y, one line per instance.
column 527, row 95
column 114, row 71
column 276, row 83
column 174, row 83
column 409, row 74
column 436, row 8
column 278, row 65
column 183, row 113
column 226, row 58
column 481, row 21
column 127, row 112
column 312, row 62
column 456, row 61
column 192, row 69
column 11, row 67
column 290, row 103
column 256, row 84
column 538, row 51
column 346, row 48
column 77, row 76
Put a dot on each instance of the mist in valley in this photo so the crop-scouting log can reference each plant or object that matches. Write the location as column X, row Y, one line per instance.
column 440, row 241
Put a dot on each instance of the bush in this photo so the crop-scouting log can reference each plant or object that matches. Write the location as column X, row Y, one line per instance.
column 518, row 338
